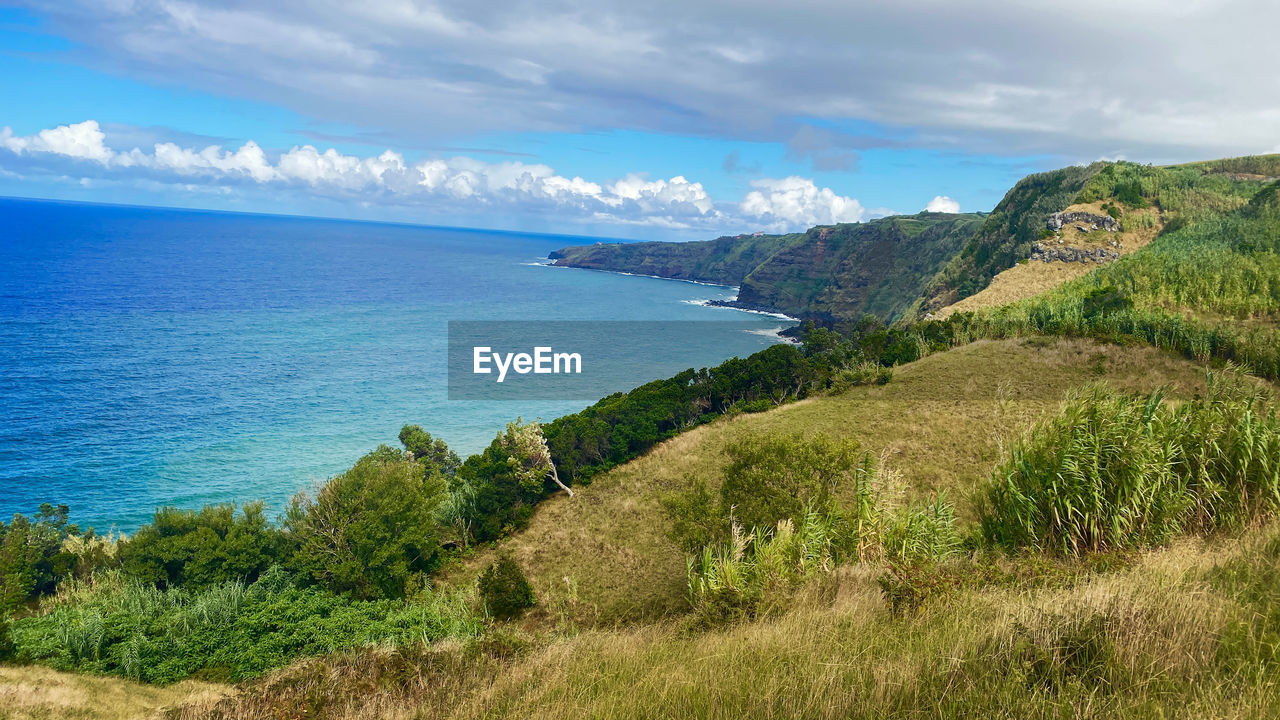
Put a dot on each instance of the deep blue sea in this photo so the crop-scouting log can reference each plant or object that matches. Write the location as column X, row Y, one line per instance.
column 156, row 357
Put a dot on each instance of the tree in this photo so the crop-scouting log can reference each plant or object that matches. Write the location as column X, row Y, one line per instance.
column 506, row 480
column 202, row 548
column 528, row 454
column 426, row 449
column 367, row 531
column 32, row 557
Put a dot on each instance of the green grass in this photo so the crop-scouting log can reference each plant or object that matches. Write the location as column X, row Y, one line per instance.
column 603, row 557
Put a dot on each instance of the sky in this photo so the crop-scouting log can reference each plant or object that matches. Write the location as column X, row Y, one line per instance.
column 653, row 120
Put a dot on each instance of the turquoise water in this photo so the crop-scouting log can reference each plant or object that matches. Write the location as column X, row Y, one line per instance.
column 153, row 357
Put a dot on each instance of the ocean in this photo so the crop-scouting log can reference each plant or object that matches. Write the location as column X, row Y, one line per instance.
column 155, row 357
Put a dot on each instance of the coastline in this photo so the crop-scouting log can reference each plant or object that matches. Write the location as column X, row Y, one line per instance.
column 551, row 262
column 730, row 304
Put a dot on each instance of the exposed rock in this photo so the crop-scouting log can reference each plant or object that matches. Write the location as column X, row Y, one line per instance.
column 1045, row 253
column 1094, row 221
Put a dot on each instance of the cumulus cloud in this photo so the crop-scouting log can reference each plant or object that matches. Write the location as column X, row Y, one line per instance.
column 789, row 203
column 942, row 204
column 80, row 150
column 81, row 140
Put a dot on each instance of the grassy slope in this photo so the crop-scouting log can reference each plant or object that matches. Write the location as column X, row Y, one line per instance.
column 1181, row 191
column 1030, row 278
column 28, row 693
column 940, row 424
column 849, row 658
column 602, row 557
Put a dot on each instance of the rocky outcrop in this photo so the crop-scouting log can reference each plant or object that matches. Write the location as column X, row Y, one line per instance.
column 1066, row 253
column 1091, row 221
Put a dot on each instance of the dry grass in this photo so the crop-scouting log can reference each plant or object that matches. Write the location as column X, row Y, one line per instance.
column 1019, row 282
column 960, row 658
column 833, row 655
column 31, row 693
column 602, row 558
column 1033, row 278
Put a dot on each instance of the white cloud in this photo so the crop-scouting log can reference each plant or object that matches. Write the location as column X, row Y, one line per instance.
column 942, row 204
column 249, row 160
column 81, row 140
column 785, row 204
column 793, row 202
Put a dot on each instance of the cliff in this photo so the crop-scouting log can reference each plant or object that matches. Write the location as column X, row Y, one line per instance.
column 831, row 273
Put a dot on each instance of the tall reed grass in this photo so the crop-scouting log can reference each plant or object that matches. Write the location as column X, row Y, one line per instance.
column 1117, row 470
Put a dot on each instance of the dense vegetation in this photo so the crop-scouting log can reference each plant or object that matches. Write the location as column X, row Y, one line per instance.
column 227, row 594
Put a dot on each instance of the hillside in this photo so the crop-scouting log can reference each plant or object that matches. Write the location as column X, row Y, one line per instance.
column 601, row 558
column 723, row 261
column 830, row 273
column 610, row 636
column 910, row 266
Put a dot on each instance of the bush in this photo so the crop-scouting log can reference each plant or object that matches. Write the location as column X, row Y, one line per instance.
column 756, row 572
column 200, row 549
column 504, row 589
column 769, row 479
column 368, row 531
column 227, row 632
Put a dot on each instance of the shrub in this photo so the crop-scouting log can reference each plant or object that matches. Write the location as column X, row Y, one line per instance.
column 504, row 589
column 368, row 531
column 227, row 632
column 769, row 479
column 203, row 548
column 1121, row 471
column 754, row 572
column 695, row 517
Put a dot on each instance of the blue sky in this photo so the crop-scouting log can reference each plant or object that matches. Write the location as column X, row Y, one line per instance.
column 671, row 120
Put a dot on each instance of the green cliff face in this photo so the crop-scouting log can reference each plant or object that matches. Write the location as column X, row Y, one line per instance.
column 841, row 272
column 725, row 261
column 833, row 273
column 1007, row 233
